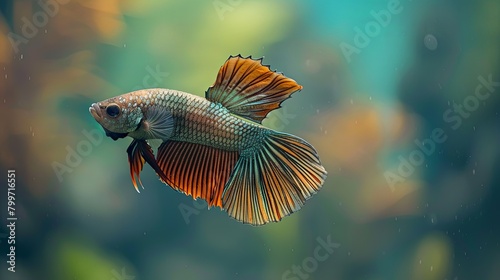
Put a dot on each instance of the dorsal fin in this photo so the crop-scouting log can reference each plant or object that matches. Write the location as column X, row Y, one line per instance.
column 249, row 89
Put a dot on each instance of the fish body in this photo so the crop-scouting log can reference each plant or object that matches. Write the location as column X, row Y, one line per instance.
column 197, row 120
column 215, row 148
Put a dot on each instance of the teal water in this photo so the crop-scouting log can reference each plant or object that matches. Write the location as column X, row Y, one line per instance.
column 400, row 99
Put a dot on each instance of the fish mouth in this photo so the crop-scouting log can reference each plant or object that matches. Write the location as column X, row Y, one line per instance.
column 95, row 111
column 114, row 135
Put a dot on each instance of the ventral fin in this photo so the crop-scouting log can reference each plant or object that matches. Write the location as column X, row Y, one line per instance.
column 139, row 152
column 158, row 124
column 196, row 170
column 249, row 89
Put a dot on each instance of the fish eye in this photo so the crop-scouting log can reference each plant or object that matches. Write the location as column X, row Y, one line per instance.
column 113, row 110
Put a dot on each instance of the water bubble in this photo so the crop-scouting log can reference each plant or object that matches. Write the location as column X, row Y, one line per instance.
column 430, row 42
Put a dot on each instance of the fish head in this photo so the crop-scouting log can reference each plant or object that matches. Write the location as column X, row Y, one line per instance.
column 118, row 116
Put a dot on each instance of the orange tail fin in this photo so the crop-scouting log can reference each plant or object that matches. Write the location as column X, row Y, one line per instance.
column 273, row 181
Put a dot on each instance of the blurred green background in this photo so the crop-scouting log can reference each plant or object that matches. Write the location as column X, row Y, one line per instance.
column 380, row 79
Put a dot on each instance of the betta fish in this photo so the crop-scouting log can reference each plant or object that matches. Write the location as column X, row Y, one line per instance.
column 216, row 148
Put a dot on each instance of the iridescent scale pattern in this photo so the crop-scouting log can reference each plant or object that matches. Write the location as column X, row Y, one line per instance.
column 200, row 121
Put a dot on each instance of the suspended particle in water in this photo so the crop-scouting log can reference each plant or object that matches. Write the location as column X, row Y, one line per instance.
column 430, row 42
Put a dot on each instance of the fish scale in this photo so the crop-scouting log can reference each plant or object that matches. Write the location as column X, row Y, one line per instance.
column 215, row 148
column 200, row 121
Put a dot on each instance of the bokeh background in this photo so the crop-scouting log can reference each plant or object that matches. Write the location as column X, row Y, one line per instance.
column 367, row 101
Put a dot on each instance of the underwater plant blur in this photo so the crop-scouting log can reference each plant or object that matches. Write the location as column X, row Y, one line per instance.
column 400, row 99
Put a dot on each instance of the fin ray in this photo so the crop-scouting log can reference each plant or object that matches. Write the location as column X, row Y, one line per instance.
column 273, row 181
column 196, row 170
column 140, row 152
column 159, row 123
column 249, row 89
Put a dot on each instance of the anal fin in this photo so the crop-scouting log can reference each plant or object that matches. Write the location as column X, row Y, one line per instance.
column 197, row 170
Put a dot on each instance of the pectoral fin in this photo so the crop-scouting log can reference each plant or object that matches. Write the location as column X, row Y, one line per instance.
column 158, row 124
column 249, row 89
